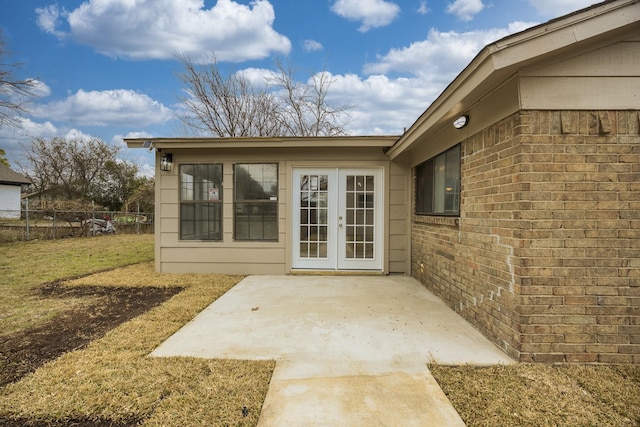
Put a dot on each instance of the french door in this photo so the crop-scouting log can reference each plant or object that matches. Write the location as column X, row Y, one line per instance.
column 337, row 219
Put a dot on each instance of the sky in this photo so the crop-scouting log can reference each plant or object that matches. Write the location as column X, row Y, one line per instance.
column 107, row 68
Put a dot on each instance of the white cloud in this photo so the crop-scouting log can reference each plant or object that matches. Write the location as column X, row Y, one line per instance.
column 553, row 8
column 37, row 89
column 440, row 57
column 14, row 140
column 140, row 134
column 371, row 13
column 104, row 108
column 29, row 129
column 118, row 140
column 517, row 26
column 49, row 18
column 11, row 138
column 40, row 89
column 382, row 105
column 311, row 45
column 423, row 9
column 143, row 158
column 77, row 135
column 258, row 77
column 388, row 105
column 465, row 10
column 145, row 29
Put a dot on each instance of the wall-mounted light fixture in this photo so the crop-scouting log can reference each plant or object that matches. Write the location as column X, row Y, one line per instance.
column 461, row 121
column 166, row 162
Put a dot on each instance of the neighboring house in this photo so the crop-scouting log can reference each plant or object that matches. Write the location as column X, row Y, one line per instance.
column 10, row 189
column 525, row 218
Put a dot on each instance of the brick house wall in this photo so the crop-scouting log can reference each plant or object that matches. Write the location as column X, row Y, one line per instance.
column 545, row 256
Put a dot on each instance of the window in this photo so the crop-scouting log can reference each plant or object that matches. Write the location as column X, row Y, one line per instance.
column 256, row 201
column 201, row 202
column 438, row 184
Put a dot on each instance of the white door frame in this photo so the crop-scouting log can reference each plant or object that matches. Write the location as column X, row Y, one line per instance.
column 331, row 250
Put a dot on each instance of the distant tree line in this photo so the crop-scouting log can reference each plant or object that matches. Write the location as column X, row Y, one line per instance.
column 81, row 170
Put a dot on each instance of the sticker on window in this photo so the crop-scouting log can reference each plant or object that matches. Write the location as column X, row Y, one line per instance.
column 214, row 193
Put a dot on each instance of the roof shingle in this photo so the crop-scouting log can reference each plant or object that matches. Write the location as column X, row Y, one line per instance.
column 9, row 177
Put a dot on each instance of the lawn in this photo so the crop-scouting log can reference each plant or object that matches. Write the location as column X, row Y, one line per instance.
column 112, row 382
column 527, row 395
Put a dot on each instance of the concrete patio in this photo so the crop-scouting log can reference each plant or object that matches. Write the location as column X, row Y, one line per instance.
column 350, row 350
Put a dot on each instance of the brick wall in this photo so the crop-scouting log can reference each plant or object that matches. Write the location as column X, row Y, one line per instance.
column 545, row 257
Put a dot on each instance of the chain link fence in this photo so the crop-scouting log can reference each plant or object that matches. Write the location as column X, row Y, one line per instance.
column 45, row 224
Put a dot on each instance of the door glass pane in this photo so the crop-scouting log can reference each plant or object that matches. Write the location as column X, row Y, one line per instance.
column 368, row 250
column 350, row 199
column 322, row 250
column 369, row 234
column 304, row 250
column 314, row 209
column 369, row 182
column 322, row 233
column 359, row 216
column 369, row 216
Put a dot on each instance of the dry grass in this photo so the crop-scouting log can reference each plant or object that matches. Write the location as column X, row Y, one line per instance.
column 114, row 379
column 26, row 265
column 543, row 395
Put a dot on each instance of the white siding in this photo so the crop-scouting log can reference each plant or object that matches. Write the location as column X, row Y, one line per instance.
column 9, row 201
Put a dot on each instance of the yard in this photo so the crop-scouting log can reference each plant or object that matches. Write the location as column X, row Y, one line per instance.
column 79, row 316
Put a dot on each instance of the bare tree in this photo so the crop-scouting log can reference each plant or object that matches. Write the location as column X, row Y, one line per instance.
column 226, row 106
column 306, row 109
column 233, row 106
column 13, row 91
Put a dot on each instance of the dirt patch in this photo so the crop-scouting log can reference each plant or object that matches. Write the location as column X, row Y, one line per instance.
column 25, row 351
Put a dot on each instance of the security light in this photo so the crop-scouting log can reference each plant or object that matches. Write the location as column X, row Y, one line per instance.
column 461, row 122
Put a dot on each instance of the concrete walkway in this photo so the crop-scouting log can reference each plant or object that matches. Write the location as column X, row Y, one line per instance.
column 350, row 350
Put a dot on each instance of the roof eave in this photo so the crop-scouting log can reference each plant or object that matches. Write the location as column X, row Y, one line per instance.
column 265, row 142
column 15, row 183
column 499, row 61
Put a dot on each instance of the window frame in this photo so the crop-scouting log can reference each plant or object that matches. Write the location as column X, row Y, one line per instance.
column 200, row 202
column 426, row 183
column 271, row 202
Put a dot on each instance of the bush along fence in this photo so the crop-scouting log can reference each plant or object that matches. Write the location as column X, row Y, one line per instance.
column 46, row 224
